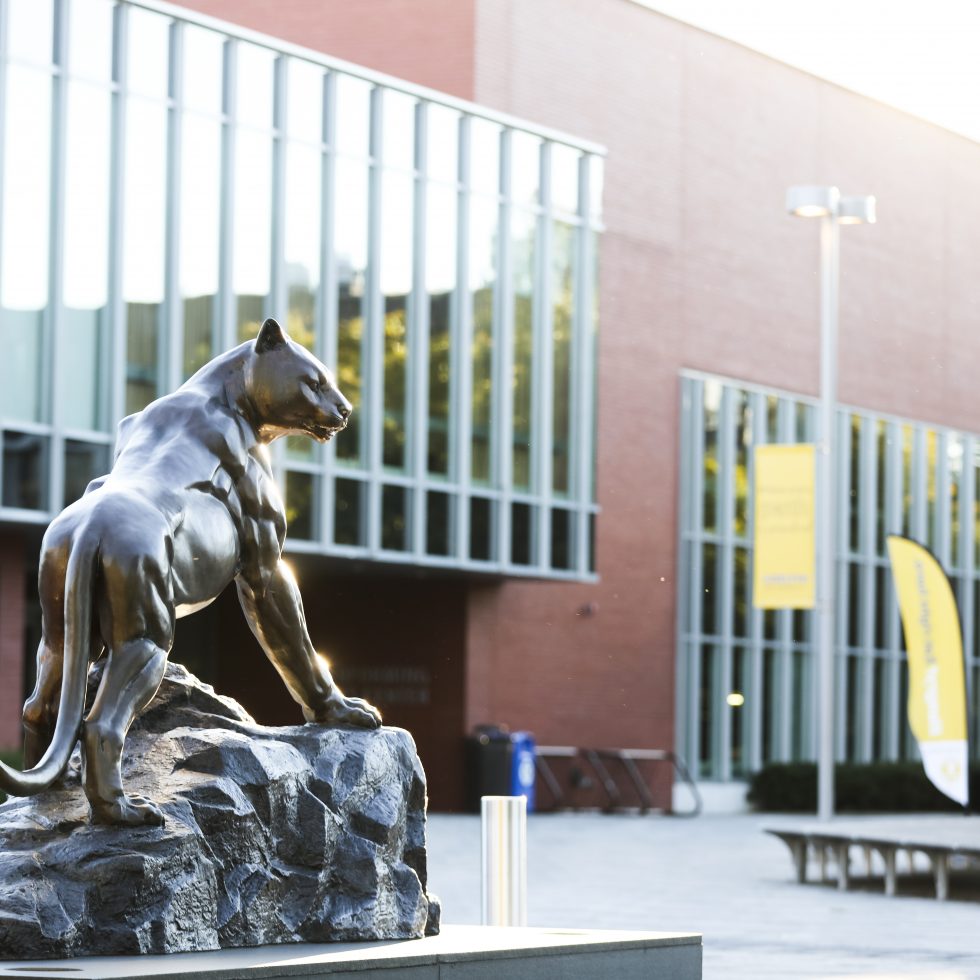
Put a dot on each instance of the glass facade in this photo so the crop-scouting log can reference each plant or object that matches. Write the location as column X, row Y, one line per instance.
column 166, row 184
column 746, row 677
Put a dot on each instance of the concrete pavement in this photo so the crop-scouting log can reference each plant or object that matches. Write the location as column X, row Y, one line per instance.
column 723, row 877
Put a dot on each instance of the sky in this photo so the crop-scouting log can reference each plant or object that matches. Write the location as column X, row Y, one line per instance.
column 922, row 56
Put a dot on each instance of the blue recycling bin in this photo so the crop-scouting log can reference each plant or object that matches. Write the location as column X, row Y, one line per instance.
column 522, row 772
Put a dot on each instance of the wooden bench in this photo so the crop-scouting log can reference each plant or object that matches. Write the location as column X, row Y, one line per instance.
column 939, row 838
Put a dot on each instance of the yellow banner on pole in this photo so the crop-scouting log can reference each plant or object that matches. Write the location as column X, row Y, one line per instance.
column 785, row 528
column 937, row 686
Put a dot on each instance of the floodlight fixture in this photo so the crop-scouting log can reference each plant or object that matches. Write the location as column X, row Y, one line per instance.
column 810, row 201
column 858, row 209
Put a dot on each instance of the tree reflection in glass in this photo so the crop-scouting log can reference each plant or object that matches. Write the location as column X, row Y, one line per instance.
column 440, row 280
column 350, row 255
column 484, row 218
column 144, row 237
column 199, row 238
column 523, row 247
column 397, row 191
column 302, row 257
column 562, row 319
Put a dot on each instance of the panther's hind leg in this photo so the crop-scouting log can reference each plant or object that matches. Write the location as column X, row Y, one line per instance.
column 131, row 678
column 41, row 708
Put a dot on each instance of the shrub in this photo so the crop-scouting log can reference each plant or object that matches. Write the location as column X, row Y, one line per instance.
column 876, row 787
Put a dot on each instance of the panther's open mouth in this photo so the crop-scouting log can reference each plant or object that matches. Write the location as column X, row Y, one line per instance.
column 324, row 433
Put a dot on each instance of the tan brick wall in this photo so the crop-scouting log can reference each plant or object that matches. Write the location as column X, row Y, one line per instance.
column 425, row 41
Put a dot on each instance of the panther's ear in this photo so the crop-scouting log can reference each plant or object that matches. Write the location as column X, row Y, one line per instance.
column 270, row 337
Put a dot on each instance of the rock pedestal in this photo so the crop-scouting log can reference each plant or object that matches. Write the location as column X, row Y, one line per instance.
column 272, row 835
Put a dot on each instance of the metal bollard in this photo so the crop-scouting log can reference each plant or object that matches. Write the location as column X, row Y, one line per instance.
column 504, row 825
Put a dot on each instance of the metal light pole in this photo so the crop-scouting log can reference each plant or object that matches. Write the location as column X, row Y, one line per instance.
column 833, row 210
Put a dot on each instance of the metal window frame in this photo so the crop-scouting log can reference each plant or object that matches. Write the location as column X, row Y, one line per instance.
column 878, row 717
column 370, row 471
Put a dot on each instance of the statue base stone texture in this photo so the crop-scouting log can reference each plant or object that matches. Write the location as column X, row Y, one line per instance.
column 272, row 835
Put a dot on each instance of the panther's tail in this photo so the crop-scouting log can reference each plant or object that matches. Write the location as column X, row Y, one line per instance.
column 79, row 576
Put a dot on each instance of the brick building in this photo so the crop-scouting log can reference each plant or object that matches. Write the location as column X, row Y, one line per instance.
column 622, row 619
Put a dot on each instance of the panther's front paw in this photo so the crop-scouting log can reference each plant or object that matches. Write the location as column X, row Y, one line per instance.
column 348, row 711
column 129, row 811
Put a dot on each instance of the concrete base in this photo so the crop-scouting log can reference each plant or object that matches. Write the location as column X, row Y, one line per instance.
column 459, row 953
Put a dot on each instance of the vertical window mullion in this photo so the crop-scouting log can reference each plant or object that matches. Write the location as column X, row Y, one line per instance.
column 56, row 378
column 867, row 501
column 460, row 356
column 172, row 336
column 4, row 35
column 967, row 558
column 725, row 561
column 543, row 359
column 277, row 302
column 696, row 461
column 842, row 598
column 116, row 306
column 327, row 299
column 580, row 437
column 893, row 630
column 374, row 328
column 503, row 391
column 781, row 699
column 753, row 699
column 224, row 333
column 419, row 342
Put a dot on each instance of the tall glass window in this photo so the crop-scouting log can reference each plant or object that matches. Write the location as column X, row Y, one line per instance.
column 25, row 240
column 144, row 249
column 563, row 245
column 523, row 244
column 350, row 232
column 82, row 345
column 200, row 199
column 304, row 171
column 767, row 659
column 484, row 217
column 397, row 206
column 252, row 248
column 440, row 282
column 166, row 184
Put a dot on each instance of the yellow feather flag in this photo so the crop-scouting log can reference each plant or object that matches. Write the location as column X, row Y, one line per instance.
column 937, row 686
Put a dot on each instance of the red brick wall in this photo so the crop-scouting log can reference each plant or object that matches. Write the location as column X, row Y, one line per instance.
column 12, row 612
column 426, row 41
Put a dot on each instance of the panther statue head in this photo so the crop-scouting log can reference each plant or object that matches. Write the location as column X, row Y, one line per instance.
column 291, row 392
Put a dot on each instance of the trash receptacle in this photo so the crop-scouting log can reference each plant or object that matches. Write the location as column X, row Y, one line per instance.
column 499, row 763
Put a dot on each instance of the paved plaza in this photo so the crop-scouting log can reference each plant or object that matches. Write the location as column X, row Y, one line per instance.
column 723, row 877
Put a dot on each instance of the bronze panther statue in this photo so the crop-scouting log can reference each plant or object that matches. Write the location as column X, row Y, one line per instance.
column 189, row 506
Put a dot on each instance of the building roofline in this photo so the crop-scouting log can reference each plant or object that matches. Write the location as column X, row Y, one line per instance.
column 178, row 12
